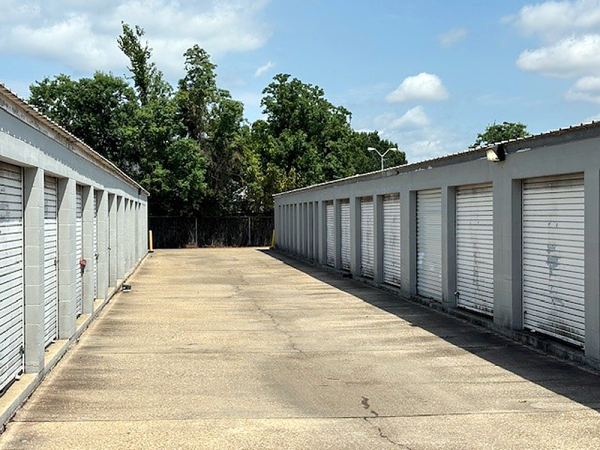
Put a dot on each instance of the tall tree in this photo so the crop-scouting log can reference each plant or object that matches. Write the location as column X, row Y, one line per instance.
column 501, row 132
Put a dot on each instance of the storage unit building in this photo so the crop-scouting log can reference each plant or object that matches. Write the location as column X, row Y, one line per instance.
column 54, row 201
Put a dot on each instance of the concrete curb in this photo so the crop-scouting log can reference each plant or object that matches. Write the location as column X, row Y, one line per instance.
column 20, row 391
column 542, row 343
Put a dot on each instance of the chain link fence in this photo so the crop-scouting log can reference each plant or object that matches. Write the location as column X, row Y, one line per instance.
column 230, row 231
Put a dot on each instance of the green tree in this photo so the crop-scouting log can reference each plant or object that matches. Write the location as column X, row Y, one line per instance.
column 500, row 132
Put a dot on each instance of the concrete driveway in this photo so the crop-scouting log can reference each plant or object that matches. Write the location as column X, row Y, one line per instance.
column 243, row 349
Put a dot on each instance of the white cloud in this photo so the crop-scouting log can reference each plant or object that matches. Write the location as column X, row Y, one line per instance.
column 586, row 89
column 572, row 56
column 264, row 69
column 82, row 35
column 424, row 86
column 554, row 20
column 413, row 118
column 452, row 37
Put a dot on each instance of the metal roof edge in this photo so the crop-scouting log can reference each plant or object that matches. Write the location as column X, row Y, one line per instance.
column 70, row 138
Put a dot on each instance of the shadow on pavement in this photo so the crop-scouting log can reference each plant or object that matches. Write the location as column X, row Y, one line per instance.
column 560, row 377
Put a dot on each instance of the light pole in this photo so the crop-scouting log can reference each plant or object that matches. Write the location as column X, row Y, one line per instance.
column 382, row 155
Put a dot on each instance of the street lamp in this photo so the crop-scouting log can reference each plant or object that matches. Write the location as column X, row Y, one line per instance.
column 382, row 155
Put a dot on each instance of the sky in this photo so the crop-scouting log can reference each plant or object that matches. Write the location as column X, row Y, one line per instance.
column 427, row 74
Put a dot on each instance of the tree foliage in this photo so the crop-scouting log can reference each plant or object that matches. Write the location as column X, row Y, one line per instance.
column 192, row 148
column 501, row 132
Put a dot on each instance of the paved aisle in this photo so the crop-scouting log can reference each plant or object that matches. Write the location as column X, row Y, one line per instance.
column 235, row 349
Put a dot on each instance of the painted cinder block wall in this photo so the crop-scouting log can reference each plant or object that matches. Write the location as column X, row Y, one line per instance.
column 567, row 151
column 36, row 145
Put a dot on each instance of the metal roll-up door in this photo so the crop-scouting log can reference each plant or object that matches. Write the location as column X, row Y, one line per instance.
column 330, row 234
column 367, row 250
column 429, row 243
column 475, row 248
column 50, row 259
column 345, row 234
column 95, row 240
column 553, row 257
column 79, row 250
column 391, row 239
column 11, row 273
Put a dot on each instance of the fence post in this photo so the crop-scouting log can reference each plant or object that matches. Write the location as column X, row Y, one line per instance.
column 249, row 231
column 196, row 230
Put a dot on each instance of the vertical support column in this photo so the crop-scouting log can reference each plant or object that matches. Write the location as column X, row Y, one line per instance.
column 113, row 246
column 298, row 208
column 88, row 249
column 337, row 220
column 592, row 264
column 306, row 230
column 315, row 225
column 355, row 238
column 120, row 239
column 103, row 243
column 311, row 231
column 408, row 237
column 508, row 310
column 67, row 272
column 448, row 245
column 378, row 237
column 126, row 237
column 34, row 268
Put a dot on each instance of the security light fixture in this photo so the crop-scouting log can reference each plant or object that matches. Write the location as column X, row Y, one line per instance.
column 382, row 155
column 496, row 153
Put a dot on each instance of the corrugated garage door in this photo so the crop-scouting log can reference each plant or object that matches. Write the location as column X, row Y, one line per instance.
column 330, row 234
column 11, row 273
column 345, row 235
column 50, row 259
column 475, row 248
column 429, row 243
column 366, row 237
column 391, row 239
column 553, row 257
column 95, row 239
column 79, row 249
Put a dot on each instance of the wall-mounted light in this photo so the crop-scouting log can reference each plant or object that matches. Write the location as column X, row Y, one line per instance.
column 496, row 153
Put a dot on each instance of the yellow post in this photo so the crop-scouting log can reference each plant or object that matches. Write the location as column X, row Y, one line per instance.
column 151, row 242
column 273, row 241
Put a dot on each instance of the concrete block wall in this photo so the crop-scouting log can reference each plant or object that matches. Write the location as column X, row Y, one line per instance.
column 40, row 148
column 571, row 151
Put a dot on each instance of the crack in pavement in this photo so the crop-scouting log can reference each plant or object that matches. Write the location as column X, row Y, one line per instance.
column 385, row 436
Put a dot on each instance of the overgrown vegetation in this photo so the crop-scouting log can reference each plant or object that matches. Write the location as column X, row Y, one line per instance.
column 190, row 145
column 498, row 132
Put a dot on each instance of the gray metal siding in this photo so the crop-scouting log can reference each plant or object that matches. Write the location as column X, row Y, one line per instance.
column 429, row 243
column 475, row 248
column 553, row 257
column 11, row 273
column 345, row 234
column 367, row 245
column 50, row 259
column 391, row 239
column 330, row 229
column 95, row 244
column 79, row 250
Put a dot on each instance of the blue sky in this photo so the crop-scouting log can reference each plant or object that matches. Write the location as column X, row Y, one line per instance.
column 427, row 74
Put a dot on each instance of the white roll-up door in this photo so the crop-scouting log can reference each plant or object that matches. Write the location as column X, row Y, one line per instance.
column 79, row 250
column 367, row 250
column 95, row 240
column 429, row 243
column 553, row 257
column 391, row 239
column 345, row 234
column 475, row 248
column 330, row 234
column 50, row 259
column 11, row 273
